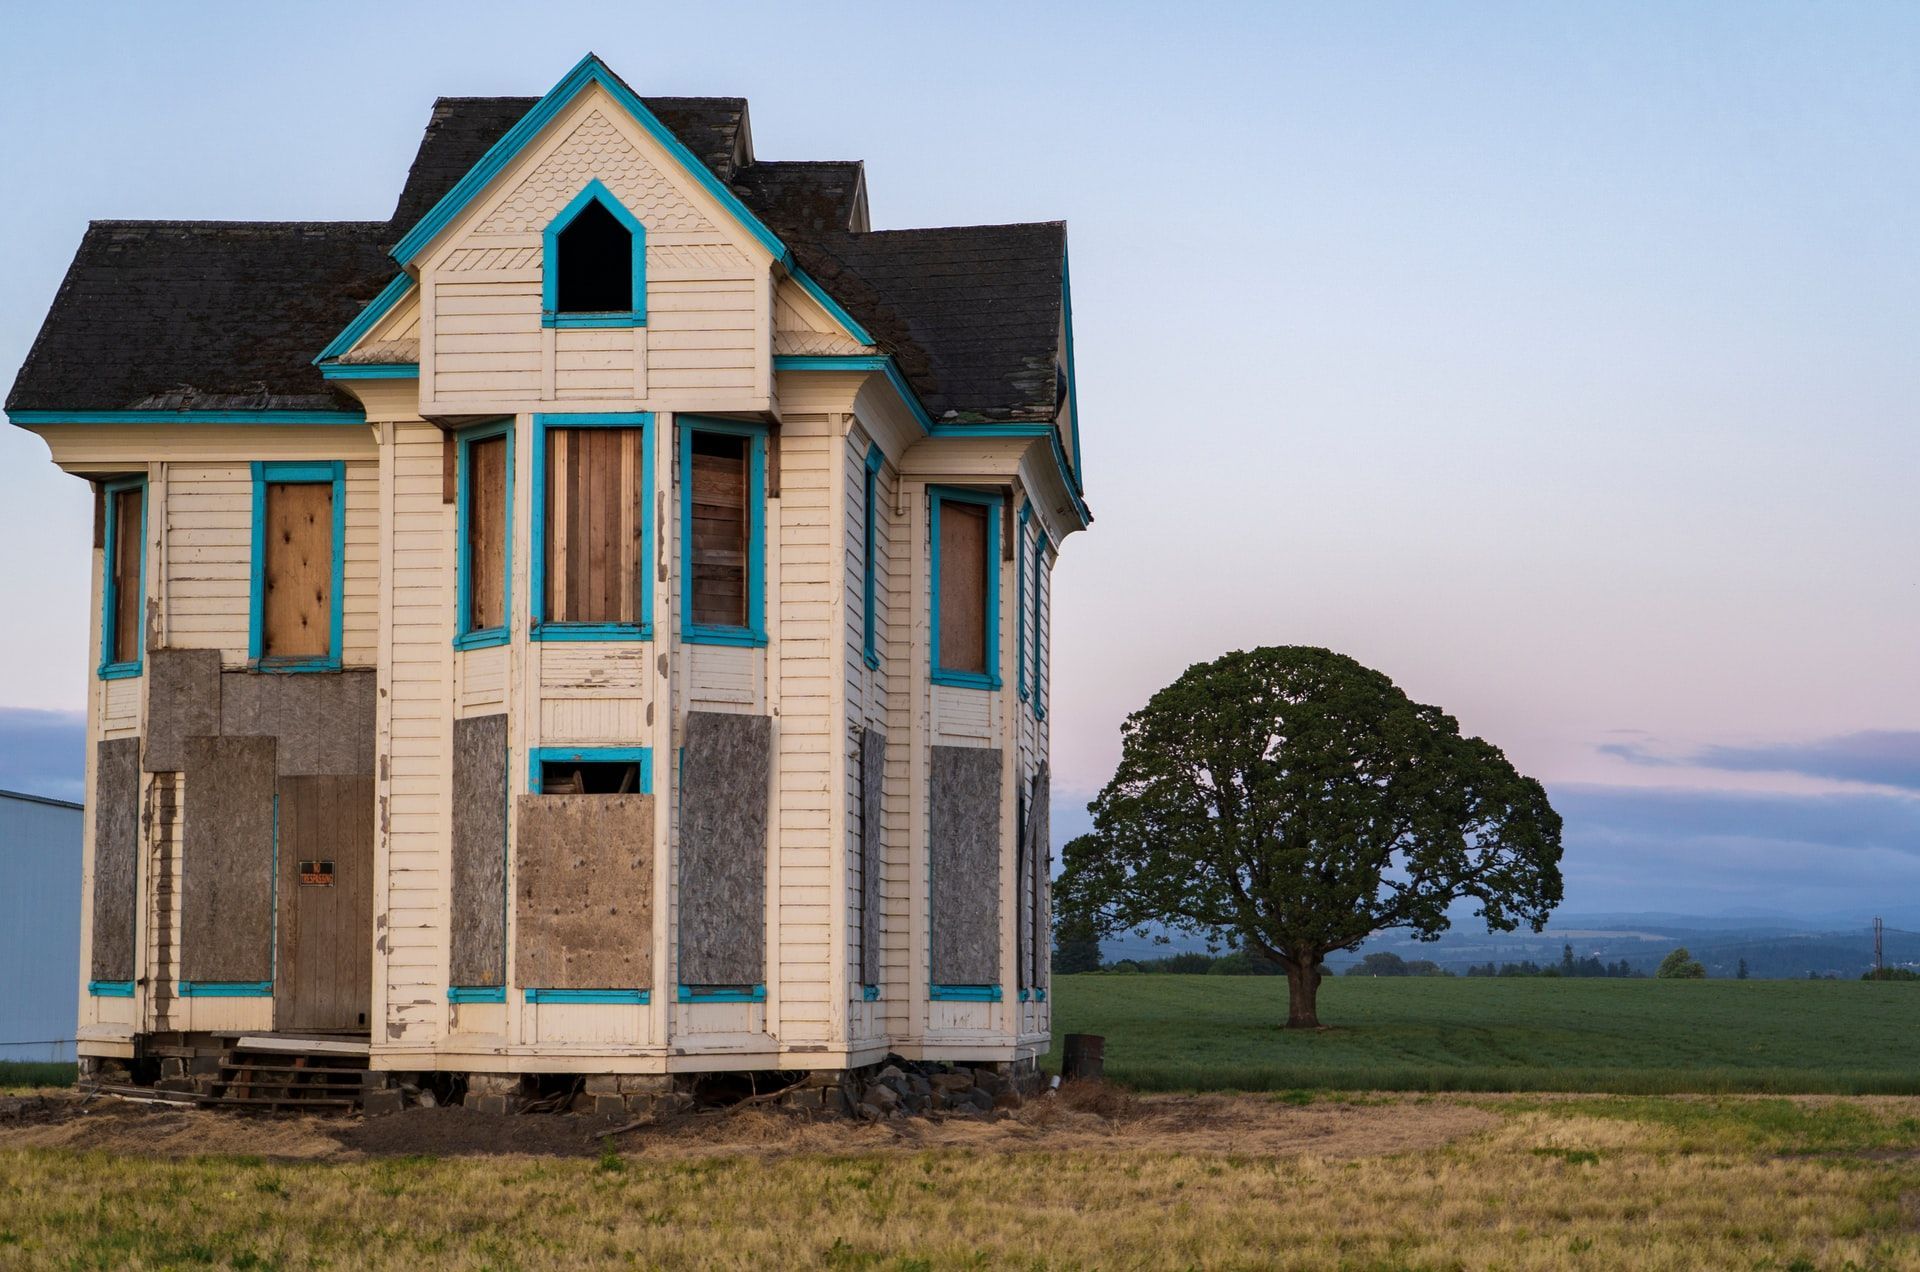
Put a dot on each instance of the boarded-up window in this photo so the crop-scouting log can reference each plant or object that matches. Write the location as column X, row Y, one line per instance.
column 722, row 521
column 595, row 520
column 124, row 585
column 964, row 571
column 486, row 512
column 297, row 576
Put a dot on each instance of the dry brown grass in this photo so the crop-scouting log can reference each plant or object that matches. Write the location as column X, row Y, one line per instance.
column 1217, row 1182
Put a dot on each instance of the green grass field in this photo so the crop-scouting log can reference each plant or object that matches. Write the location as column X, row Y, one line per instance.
column 1183, row 1033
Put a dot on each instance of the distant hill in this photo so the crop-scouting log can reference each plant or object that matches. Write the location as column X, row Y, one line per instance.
column 1774, row 946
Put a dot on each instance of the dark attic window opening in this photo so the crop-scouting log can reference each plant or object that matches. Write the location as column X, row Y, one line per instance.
column 575, row 777
column 595, row 263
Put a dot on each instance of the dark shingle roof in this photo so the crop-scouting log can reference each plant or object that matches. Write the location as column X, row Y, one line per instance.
column 202, row 315
column 215, row 315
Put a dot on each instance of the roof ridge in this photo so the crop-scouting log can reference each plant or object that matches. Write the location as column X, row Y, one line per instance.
column 941, row 229
column 210, row 224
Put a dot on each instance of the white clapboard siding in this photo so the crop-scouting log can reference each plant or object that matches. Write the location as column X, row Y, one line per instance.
column 419, row 710
column 809, row 566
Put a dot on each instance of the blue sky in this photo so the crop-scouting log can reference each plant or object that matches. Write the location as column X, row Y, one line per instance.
column 1557, row 360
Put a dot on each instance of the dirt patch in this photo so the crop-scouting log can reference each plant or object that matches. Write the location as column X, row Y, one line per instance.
column 75, row 1122
column 1087, row 1118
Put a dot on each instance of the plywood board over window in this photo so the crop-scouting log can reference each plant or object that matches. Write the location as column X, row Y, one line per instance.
column 724, row 797
column 299, row 524
column 299, row 571
column 583, row 891
column 964, row 862
column 116, row 848
column 963, row 575
column 966, row 536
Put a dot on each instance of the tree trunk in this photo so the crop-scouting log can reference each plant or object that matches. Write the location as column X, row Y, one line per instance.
column 1303, row 993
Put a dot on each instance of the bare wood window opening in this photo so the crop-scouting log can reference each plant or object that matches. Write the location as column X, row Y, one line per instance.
column 963, row 586
column 486, row 534
column 296, row 616
column 124, row 642
column 595, row 263
column 594, row 524
column 589, row 777
column 721, row 521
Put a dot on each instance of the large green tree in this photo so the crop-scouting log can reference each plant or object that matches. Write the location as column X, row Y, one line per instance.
column 1290, row 802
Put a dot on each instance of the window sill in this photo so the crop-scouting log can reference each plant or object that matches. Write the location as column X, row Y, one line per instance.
column 287, row 665
column 110, row 989
column 722, row 994
column 476, row 993
column 613, row 318
column 226, row 989
column 481, row 640
column 591, row 631
column 965, row 679
column 964, row 993
column 737, row 636
column 640, row 996
column 119, row 671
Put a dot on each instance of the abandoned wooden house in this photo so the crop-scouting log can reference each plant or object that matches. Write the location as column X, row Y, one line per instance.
column 593, row 622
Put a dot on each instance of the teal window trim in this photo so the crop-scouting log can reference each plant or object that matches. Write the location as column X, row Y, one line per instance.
column 1033, row 995
column 110, row 989
column 870, row 488
column 1020, row 598
column 754, row 633
column 639, row 996
column 539, row 627
column 476, row 993
column 379, row 307
column 721, row 994
column 325, row 472
column 226, row 989
column 109, row 591
column 1040, row 547
column 964, row 993
column 466, row 637
column 550, row 315
column 870, row 993
column 640, row 755
column 993, row 503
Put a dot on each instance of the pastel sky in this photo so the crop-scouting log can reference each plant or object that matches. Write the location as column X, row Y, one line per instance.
column 1558, row 360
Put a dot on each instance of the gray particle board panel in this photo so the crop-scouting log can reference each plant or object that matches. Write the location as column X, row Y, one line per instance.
column 324, row 721
column 183, row 701
column 723, row 849
column 116, row 855
column 1040, row 874
column 583, row 891
column 226, row 860
column 964, row 860
column 479, row 953
column 873, row 768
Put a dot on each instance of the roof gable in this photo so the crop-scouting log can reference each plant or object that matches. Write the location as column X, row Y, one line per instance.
column 590, row 72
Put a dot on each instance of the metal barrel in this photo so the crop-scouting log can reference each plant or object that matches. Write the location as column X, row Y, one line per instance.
column 1083, row 1057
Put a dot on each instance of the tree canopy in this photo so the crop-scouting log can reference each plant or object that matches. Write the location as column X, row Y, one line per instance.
column 1290, row 801
column 1680, row 965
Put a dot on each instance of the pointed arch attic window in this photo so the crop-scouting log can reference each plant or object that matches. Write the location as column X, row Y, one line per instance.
column 595, row 271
